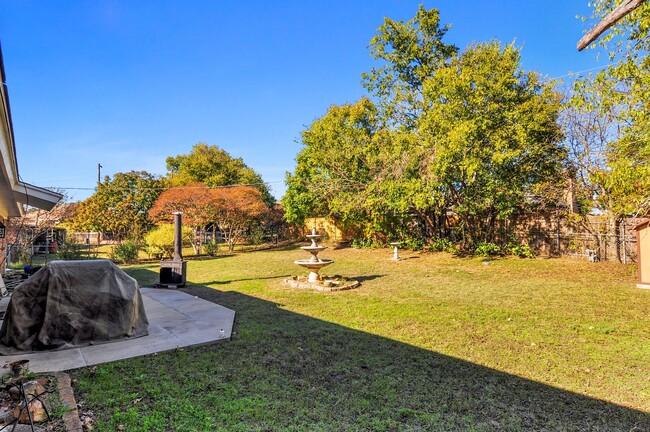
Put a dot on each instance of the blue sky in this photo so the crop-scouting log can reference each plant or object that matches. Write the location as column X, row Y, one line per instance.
column 128, row 83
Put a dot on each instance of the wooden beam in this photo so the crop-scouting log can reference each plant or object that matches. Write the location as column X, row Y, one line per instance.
column 623, row 9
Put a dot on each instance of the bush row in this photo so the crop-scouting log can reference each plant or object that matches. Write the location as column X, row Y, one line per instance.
column 484, row 249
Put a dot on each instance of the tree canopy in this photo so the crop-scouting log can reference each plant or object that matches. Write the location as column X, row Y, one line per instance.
column 490, row 136
column 334, row 168
column 469, row 133
column 232, row 209
column 410, row 53
column 608, row 118
column 214, row 167
column 120, row 205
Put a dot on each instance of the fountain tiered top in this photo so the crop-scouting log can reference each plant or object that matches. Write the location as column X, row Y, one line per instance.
column 313, row 248
column 314, row 263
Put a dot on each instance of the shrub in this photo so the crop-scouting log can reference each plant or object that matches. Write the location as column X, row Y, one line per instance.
column 487, row 249
column 256, row 235
column 125, row 252
column 414, row 244
column 211, row 248
column 442, row 245
column 160, row 241
column 521, row 251
column 365, row 243
column 69, row 251
column 21, row 255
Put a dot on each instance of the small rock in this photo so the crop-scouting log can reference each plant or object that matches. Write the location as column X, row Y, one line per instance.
column 35, row 408
column 17, row 367
column 7, row 417
column 14, row 392
column 27, row 428
column 31, row 389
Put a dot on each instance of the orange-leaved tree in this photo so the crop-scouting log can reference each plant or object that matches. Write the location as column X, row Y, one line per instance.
column 232, row 209
column 235, row 209
column 194, row 201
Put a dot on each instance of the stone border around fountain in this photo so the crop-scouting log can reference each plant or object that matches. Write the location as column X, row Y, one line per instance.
column 326, row 284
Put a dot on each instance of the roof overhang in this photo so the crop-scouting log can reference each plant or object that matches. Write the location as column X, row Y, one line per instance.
column 15, row 194
column 35, row 196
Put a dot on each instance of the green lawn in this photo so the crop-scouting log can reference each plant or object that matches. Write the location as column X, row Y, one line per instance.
column 429, row 343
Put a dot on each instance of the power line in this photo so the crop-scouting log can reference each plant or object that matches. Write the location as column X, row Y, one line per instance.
column 166, row 188
column 582, row 71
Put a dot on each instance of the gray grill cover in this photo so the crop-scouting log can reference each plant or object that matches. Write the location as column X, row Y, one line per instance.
column 69, row 304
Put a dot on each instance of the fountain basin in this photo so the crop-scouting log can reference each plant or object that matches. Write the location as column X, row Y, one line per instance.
column 313, row 266
column 312, row 249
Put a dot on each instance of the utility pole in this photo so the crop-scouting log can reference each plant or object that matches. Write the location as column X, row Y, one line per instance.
column 99, row 174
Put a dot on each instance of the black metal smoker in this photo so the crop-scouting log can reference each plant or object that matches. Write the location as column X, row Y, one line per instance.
column 173, row 272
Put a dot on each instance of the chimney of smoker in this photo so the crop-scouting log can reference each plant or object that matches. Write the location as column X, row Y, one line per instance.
column 178, row 237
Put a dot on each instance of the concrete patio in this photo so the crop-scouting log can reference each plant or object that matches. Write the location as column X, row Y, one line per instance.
column 176, row 320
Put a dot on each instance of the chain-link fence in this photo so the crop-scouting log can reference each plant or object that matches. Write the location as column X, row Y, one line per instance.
column 593, row 237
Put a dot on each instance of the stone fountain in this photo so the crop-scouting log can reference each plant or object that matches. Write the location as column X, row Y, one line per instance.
column 314, row 264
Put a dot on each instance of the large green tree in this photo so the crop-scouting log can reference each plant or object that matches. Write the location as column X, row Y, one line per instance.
column 357, row 164
column 472, row 133
column 120, row 205
column 409, row 52
column 213, row 167
column 489, row 137
column 335, row 166
column 356, row 171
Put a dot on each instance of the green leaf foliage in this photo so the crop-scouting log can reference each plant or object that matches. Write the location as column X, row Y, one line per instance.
column 490, row 136
column 410, row 53
column 335, row 166
column 120, row 205
column 611, row 117
column 160, row 240
column 214, row 167
column 126, row 252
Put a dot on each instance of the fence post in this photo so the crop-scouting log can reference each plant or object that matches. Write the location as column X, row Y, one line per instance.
column 624, row 245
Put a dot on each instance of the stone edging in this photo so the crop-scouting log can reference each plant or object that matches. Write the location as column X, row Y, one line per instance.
column 314, row 286
column 71, row 419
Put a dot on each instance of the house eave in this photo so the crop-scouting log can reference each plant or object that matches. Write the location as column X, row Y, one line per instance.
column 14, row 193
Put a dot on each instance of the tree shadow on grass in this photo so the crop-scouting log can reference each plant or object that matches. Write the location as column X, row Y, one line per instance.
column 397, row 386
column 287, row 371
column 226, row 282
column 365, row 278
column 408, row 257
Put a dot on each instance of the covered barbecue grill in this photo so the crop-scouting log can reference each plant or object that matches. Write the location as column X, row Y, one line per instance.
column 69, row 304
